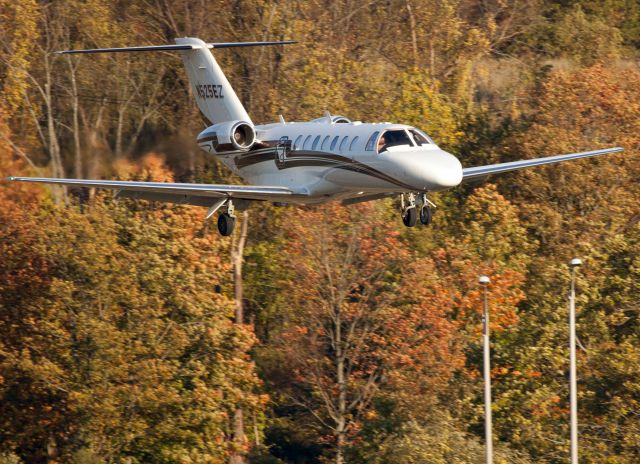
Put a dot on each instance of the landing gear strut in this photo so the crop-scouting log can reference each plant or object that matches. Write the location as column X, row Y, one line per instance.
column 409, row 213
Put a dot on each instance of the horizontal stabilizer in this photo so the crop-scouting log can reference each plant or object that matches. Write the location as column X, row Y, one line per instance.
column 181, row 47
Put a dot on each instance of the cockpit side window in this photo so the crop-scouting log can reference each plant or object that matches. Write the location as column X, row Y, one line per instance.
column 420, row 137
column 393, row 138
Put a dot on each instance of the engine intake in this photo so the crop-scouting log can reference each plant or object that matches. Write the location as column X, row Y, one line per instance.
column 227, row 136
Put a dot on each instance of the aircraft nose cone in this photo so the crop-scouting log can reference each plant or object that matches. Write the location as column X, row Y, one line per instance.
column 431, row 170
column 445, row 171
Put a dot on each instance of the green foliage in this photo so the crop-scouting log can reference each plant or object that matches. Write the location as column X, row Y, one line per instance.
column 588, row 40
column 438, row 443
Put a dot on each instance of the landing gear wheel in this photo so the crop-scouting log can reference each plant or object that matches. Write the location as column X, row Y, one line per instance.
column 410, row 217
column 226, row 223
column 426, row 215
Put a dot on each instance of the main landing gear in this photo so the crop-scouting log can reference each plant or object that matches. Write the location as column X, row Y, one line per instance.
column 226, row 224
column 226, row 220
column 409, row 208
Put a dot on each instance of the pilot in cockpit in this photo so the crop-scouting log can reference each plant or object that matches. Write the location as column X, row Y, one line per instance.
column 393, row 138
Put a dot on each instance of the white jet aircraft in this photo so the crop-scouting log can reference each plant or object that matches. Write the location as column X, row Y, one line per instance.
column 326, row 159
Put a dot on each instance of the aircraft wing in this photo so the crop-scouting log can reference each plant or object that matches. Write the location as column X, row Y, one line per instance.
column 189, row 194
column 481, row 171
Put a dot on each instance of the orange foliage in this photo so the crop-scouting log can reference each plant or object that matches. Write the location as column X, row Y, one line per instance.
column 368, row 318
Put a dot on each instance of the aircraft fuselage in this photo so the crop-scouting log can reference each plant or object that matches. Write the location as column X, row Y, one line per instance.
column 325, row 160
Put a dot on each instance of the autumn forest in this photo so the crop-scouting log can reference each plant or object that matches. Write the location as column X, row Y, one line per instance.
column 131, row 332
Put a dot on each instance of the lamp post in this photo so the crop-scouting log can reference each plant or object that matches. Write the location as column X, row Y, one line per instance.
column 573, row 390
column 484, row 281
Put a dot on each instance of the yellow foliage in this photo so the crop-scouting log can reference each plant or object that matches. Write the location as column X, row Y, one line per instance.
column 419, row 104
column 18, row 21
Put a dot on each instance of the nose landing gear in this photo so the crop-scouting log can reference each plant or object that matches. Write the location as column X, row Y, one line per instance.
column 410, row 217
column 426, row 215
column 408, row 207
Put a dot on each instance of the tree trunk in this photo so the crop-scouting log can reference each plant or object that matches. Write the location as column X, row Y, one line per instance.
column 118, row 147
column 75, row 123
column 342, row 388
column 54, row 147
column 239, row 437
column 52, row 450
column 414, row 39
column 339, row 450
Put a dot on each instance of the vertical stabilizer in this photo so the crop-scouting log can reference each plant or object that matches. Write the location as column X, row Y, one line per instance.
column 213, row 93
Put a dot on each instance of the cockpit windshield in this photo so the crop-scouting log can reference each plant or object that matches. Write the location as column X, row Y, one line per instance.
column 393, row 138
column 420, row 137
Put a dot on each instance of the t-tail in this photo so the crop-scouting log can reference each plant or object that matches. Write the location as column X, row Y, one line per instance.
column 230, row 125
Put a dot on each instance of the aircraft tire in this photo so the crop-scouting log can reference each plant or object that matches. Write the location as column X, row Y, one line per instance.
column 410, row 217
column 426, row 215
column 226, row 224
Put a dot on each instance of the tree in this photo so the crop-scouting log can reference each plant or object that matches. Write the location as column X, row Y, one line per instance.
column 361, row 325
column 119, row 345
column 587, row 108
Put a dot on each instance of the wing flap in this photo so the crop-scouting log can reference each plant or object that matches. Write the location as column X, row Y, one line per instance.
column 481, row 171
column 194, row 194
column 170, row 198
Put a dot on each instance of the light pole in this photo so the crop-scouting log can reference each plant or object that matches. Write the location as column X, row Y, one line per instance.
column 573, row 389
column 484, row 281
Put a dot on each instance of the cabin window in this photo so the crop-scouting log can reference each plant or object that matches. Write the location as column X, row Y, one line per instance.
column 325, row 143
column 393, row 138
column 296, row 145
column 420, row 137
column 353, row 143
column 315, row 143
column 306, row 142
column 372, row 141
column 343, row 144
column 334, row 142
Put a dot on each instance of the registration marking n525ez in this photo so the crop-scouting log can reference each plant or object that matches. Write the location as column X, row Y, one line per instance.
column 206, row 91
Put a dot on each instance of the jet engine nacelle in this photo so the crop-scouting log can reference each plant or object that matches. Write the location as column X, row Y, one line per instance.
column 227, row 136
